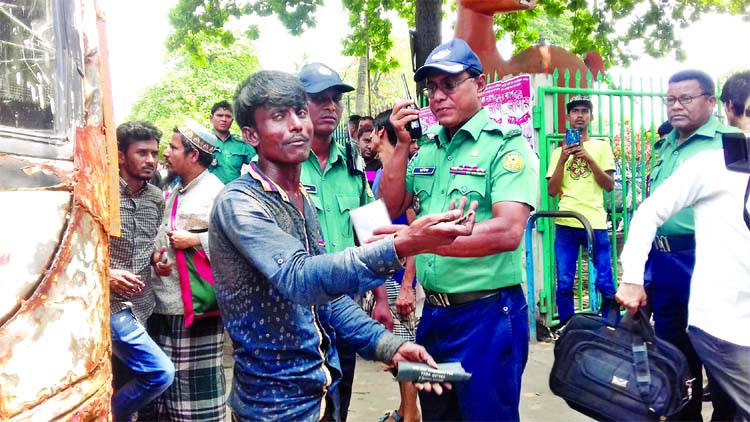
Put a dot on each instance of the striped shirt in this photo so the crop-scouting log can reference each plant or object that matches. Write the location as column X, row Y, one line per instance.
column 140, row 215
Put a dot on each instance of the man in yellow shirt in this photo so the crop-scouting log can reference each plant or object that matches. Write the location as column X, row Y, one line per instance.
column 578, row 174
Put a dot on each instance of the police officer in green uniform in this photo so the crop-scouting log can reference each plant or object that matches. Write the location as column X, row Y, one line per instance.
column 690, row 104
column 233, row 153
column 336, row 185
column 475, row 310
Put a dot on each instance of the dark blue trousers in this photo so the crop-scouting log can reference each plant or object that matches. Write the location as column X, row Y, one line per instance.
column 490, row 337
column 567, row 242
column 668, row 291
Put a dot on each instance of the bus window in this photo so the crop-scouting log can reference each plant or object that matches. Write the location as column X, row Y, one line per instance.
column 27, row 65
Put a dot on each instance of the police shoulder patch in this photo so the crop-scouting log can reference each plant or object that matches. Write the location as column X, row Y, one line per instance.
column 513, row 162
column 511, row 132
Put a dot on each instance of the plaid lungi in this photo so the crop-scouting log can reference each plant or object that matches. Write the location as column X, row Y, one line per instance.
column 198, row 392
column 404, row 326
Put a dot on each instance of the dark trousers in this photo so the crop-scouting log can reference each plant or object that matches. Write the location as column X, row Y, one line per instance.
column 567, row 242
column 668, row 291
column 342, row 396
column 490, row 337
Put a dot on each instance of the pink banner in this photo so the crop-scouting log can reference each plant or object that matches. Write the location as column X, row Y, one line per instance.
column 508, row 102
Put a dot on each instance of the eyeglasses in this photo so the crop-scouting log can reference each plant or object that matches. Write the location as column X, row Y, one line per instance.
column 447, row 86
column 684, row 100
column 322, row 97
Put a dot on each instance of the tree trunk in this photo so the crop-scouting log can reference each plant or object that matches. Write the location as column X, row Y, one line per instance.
column 428, row 19
column 359, row 105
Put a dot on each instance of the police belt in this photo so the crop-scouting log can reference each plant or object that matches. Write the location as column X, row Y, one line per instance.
column 444, row 300
column 674, row 243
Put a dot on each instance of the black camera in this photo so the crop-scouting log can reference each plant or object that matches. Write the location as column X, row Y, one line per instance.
column 737, row 151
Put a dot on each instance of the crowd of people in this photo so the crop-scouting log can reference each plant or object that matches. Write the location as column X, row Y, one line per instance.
column 252, row 237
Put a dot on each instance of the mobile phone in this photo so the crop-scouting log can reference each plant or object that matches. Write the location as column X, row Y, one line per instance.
column 572, row 137
column 414, row 127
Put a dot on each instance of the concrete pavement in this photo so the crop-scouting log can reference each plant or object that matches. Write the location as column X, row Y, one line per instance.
column 375, row 392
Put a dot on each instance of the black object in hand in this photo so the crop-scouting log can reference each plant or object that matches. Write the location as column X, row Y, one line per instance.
column 414, row 127
column 420, row 372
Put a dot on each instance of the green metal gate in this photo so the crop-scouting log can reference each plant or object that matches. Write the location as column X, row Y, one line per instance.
column 626, row 113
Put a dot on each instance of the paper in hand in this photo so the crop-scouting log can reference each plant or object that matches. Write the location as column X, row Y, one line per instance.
column 369, row 217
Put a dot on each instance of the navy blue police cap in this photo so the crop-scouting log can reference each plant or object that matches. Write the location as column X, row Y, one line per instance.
column 452, row 57
column 317, row 77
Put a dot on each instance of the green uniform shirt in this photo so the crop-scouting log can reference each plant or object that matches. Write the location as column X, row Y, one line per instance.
column 484, row 162
column 335, row 192
column 233, row 153
column 669, row 157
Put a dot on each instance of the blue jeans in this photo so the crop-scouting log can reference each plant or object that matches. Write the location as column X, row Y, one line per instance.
column 567, row 242
column 152, row 369
column 490, row 337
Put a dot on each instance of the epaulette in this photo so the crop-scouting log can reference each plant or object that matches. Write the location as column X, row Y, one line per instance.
column 510, row 131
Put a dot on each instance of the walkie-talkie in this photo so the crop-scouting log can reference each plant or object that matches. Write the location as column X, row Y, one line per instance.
column 414, row 128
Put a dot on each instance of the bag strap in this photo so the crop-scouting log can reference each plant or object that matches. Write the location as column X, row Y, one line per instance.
column 642, row 332
column 642, row 371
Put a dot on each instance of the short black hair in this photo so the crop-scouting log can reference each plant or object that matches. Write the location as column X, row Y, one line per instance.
column 204, row 159
column 354, row 118
column 383, row 120
column 266, row 89
column 135, row 131
column 736, row 90
column 221, row 104
column 361, row 130
column 704, row 80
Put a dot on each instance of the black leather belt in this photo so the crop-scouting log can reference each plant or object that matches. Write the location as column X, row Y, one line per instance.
column 444, row 300
column 674, row 243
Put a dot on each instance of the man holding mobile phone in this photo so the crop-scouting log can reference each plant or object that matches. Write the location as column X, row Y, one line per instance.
column 578, row 172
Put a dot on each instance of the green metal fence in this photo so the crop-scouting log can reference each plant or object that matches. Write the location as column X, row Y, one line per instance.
column 626, row 113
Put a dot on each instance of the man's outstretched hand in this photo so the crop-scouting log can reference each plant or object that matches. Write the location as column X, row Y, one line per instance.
column 428, row 233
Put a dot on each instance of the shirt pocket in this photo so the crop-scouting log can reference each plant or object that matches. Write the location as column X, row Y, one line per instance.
column 473, row 187
column 316, row 201
column 422, row 193
column 346, row 204
column 236, row 160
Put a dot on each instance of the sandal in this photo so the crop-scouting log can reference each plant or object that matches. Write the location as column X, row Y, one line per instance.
column 394, row 415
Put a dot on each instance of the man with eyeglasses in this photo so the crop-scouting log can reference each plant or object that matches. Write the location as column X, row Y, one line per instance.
column 475, row 310
column 336, row 185
column 690, row 105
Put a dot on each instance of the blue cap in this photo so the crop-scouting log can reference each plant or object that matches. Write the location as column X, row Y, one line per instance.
column 452, row 57
column 317, row 77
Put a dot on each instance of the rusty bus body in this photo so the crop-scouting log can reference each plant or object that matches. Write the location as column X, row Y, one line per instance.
column 58, row 207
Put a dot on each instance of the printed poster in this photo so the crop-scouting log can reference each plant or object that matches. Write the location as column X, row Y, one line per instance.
column 508, row 102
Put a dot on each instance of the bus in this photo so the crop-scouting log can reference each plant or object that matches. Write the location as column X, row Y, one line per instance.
column 59, row 205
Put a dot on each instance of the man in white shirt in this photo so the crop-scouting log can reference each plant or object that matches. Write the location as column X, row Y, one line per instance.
column 719, row 304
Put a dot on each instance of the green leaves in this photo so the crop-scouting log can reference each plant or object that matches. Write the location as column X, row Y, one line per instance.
column 619, row 30
column 189, row 89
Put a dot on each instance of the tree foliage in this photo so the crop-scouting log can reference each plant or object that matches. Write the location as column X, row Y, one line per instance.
column 620, row 30
column 189, row 89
